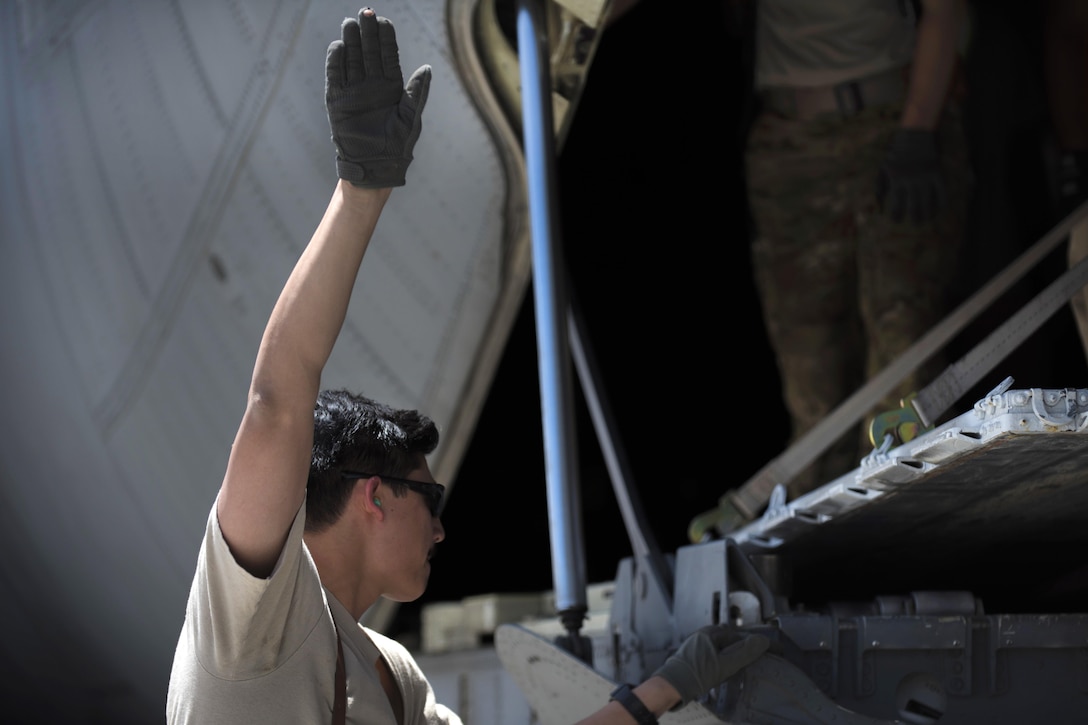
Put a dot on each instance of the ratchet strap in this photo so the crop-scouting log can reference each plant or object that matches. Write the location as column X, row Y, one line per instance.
column 743, row 504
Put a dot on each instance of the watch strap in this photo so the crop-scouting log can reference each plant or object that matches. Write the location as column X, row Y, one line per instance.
column 624, row 696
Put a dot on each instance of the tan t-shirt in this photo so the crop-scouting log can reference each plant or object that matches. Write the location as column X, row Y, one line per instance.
column 264, row 650
column 807, row 43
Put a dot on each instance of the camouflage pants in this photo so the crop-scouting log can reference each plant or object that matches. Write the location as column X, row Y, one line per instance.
column 844, row 289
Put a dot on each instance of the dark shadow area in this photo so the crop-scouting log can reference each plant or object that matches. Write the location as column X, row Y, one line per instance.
column 654, row 234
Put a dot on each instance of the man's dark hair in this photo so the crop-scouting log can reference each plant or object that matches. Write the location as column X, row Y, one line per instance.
column 355, row 433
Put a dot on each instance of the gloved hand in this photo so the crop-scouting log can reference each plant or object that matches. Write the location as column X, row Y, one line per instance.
column 909, row 184
column 375, row 120
column 708, row 657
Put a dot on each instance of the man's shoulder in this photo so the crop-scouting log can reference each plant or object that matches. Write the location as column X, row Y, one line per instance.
column 399, row 657
column 387, row 644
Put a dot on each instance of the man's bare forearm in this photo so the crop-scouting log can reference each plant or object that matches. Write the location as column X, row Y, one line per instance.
column 269, row 462
column 936, row 57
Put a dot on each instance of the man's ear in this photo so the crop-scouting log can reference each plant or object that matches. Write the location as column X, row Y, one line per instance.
column 367, row 493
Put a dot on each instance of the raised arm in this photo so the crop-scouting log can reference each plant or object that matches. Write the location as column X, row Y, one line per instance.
column 375, row 121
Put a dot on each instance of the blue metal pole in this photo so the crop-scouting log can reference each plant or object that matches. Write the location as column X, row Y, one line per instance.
column 564, row 505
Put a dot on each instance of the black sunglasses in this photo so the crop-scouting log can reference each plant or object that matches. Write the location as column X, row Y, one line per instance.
column 432, row 493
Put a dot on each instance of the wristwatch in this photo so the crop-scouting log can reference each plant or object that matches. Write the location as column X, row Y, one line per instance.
column 624, row 696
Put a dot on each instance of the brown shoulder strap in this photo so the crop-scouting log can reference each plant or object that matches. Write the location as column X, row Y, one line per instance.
column 340, row 705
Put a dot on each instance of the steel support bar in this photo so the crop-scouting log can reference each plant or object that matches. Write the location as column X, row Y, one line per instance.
column 549, row 295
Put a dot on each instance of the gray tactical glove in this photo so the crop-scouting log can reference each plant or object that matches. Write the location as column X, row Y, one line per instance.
column 708, row 657
column 375, row 119
column 909, row 184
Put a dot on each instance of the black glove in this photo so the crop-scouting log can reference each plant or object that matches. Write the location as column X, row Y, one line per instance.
column 708, row 657
column 909, row 184
column 375, row 120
